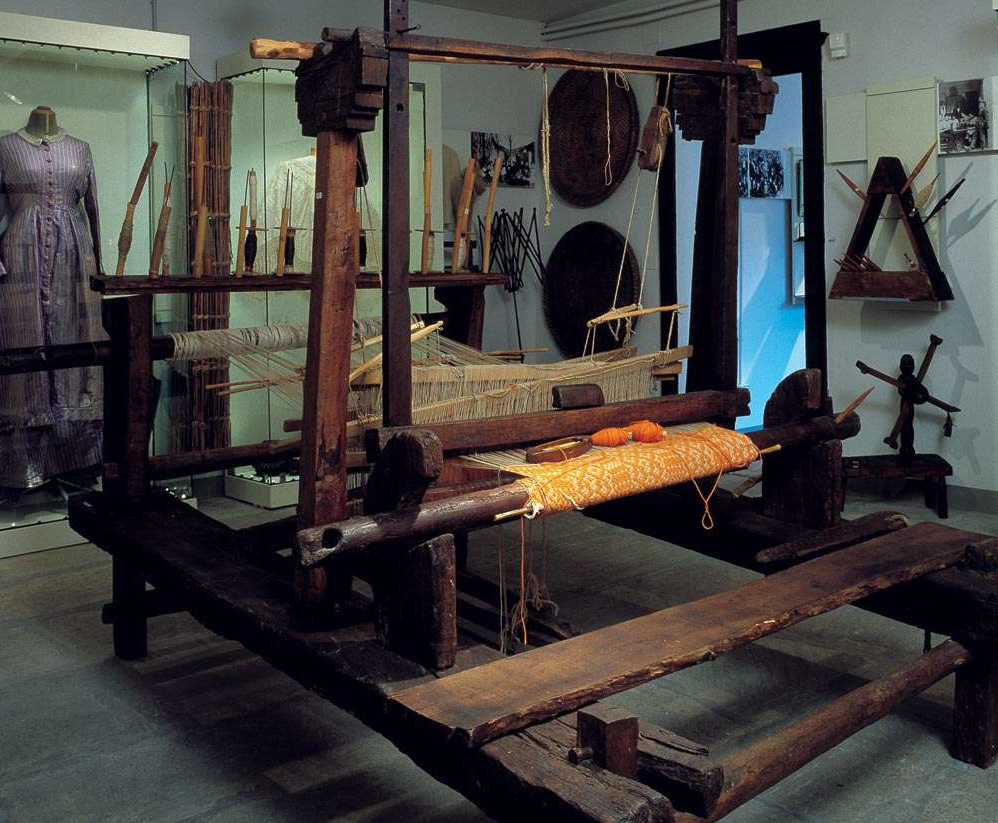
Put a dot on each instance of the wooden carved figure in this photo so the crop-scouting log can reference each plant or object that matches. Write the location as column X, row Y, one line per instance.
column 911, row 387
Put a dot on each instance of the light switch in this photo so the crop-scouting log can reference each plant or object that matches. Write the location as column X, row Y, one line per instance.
column 838, row 45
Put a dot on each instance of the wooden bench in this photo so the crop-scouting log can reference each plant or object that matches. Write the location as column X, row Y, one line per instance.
column 931, row 469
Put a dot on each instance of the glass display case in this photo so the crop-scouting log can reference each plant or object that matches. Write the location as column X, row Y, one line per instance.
column 267, row 138
column 105, row 93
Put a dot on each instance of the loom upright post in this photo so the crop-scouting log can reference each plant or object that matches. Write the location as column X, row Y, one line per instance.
column 395, row 310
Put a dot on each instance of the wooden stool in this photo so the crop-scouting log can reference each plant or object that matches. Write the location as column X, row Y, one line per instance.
column 931, row 469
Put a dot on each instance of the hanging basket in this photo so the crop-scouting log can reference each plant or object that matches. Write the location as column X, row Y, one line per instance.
column 578, row 111
column 579, row 281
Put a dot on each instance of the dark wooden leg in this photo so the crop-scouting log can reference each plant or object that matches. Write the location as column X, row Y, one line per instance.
column 461, row 547
column 416, row 603
column 128, row 593
column 929, row 486
column 975, row 708
column 942, row 500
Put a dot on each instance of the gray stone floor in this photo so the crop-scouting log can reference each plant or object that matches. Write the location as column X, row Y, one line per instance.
column 203, row 730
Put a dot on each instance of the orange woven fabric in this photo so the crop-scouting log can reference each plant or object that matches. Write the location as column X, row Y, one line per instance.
column 609, row 474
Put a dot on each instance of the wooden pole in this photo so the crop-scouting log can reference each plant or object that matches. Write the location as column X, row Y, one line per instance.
column 770, row 760
column 125, row 237
column 396, row 400
column 322, row 492
column 463, row 215
column 159, row 244
column 197, row 269
column 241, row 243
column 489, row 210
column 426, row 257
column 318, row 543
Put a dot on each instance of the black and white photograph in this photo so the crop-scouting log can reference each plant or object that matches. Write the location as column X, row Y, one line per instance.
column 767, row 173
column 965, row 115
column 743, row 177
column 519, row 158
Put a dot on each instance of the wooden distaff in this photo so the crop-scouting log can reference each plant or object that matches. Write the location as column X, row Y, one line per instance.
column 489, row 210
column 202, row 218
column 125, row 237
column 249, row 252
column 161, row 228
column 463, row 215
column 426, row 256
column 282, row 241
column 241, row 242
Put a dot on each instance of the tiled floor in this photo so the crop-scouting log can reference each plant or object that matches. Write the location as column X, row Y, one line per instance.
column 204, row 730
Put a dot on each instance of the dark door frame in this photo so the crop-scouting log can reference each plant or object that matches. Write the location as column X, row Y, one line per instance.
column 785, row 50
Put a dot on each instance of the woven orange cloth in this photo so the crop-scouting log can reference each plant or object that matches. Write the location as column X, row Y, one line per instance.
column 607, row 474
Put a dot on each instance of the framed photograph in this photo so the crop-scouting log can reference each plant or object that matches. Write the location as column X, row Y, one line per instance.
column 519, row 158
column 768, row 173
column 965, row 117
column 743, row 176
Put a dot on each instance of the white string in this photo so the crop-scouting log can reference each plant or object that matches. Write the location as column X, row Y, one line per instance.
column 546, row 148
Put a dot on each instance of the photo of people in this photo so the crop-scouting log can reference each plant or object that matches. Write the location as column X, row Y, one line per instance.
column 518, row 163
column 965, row 115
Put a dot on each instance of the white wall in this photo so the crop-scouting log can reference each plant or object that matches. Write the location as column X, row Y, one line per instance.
column 891, row 40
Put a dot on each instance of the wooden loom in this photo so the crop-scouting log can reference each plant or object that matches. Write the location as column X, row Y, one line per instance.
column 522, row 735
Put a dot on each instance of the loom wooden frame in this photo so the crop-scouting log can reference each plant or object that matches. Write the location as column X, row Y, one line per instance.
column 237, row 584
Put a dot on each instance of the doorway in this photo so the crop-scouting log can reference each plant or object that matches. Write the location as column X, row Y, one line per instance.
column 781, row 323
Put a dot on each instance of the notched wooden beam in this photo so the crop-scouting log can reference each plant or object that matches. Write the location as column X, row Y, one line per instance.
column 342, row 87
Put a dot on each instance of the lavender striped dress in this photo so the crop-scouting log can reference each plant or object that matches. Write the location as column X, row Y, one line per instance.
column 50, row 422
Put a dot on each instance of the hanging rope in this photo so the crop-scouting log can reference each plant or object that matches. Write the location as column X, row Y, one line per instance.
column 546, row 148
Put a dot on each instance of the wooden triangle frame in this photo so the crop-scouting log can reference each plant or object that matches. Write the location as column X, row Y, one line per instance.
column 860, row 277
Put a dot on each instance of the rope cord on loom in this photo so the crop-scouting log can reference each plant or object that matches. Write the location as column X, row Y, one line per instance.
column 663, row 124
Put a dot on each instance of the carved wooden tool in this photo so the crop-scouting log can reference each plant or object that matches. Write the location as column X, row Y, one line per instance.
column 853, row 187
column 241, row 242
column 249, row 252
column 913, row 393
column 426, row 256
column 944, row 200
column 282, row 240
column 918, row 167
column 463, row 215
column 125, row 237
column 558, row 451
column 654, row 138
column 162, row 227
column 842, row 415
column 489, row 211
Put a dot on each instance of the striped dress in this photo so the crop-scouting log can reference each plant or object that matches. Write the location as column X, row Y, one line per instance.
column 50, row 422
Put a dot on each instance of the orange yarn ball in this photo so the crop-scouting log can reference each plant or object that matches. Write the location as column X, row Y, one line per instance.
column 609, row 437
column 645, row 431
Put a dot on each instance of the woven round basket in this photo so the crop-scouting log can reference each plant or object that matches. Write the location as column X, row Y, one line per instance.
column 579, row 281
column 578, row 111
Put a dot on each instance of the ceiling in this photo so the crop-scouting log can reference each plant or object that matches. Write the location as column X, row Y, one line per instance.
column 544, row 11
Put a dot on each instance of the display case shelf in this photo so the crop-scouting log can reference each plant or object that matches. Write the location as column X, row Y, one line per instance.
column 289, row 282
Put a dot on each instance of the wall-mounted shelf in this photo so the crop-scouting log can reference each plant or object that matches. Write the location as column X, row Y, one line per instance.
column 861, row 278
column 289, row 282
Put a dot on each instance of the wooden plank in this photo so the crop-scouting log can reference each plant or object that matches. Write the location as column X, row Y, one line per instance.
column 845, row 533
column 451, row 50
column 396, row 390
column 291, row 281
column 501, row 432
column 765, row 763
column 476, row 706
column 528, row 776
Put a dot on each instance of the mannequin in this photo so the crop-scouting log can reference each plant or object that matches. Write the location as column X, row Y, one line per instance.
column 42, row 122
column 50, row 422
